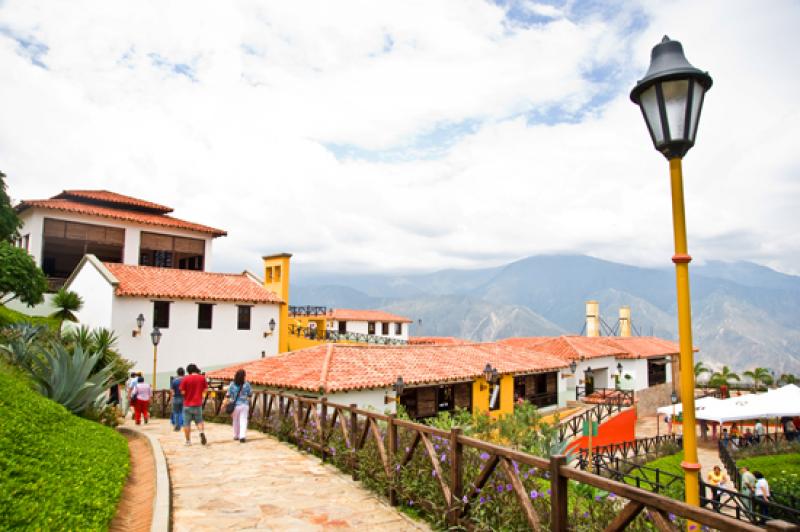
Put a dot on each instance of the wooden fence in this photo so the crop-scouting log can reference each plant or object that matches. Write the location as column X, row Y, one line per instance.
column 633, row 448
column 313, row 423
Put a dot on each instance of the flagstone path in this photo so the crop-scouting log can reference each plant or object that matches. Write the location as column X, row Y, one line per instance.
column 264, row 484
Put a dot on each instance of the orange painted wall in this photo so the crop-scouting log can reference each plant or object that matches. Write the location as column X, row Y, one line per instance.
column 619, row 428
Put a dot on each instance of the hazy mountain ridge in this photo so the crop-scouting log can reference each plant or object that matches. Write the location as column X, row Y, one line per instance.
column 744, row 314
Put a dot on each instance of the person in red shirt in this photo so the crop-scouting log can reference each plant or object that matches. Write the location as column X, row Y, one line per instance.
column 193, row 386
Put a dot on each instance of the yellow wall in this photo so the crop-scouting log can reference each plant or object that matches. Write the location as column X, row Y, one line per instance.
column 480, row 397
column 295, row 342
column 276, row 279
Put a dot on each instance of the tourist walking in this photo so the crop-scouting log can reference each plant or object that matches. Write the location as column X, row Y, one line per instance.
column 193, row 386
column 716, row 479
column 789, row 429
column 762, row 496
column 176, row 418
column 141, row 404
column 759, row 428
column 130, row 384
column 239, row 392
column 748, row 488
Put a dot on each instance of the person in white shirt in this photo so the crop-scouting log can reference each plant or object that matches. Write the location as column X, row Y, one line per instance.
column 141, row 406
column 762, row 496
column 130, row 384
column 759, row 428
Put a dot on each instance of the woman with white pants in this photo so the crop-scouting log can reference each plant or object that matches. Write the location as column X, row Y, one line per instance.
column 239, row 392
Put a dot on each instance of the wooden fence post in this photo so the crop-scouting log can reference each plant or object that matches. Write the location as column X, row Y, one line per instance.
column 558, row 500
column 391, row 433
column 354, row 440
column 456, row 476
column 323, row 420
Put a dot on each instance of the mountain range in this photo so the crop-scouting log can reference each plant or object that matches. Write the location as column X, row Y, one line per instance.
column 744, row 314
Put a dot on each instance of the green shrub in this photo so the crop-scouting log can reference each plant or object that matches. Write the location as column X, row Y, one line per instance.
column 57, row 471
column 9, row 317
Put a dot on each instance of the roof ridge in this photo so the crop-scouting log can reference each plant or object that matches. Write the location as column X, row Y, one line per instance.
column 161, row 268
column 326, row 364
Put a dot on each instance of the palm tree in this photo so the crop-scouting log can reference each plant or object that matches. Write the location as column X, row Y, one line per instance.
column 759, row 375
column 67, row 303
column 699, row 369
column 718, row 378
column 788, row 378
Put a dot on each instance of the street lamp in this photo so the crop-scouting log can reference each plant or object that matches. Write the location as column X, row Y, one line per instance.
column 155, row 336
column 671, row 97
column 573, row 366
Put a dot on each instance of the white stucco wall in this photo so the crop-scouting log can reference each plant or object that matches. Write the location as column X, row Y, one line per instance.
column 182, row 342
column 33, row 224
column 363, row 328
column 98, row 297
column 365, row 399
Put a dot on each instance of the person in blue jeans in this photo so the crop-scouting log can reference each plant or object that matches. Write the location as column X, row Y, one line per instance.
column 176, row 418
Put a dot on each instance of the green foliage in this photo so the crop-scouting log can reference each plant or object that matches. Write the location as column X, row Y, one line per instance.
column 57, row 471
column 759, row 375
column 22, row 345
column 67, row 378
column 9, row 222
column 699, row 369
column 718, row 378
column 100, row 340
column 11, row 317
column 67, row 303
column 787, row 378
column 19, row 276
column 670, row 464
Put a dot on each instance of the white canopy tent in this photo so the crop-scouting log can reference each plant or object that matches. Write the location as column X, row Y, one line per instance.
column 781, row 402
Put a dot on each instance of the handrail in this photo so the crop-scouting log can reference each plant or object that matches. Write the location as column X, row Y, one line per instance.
column 308, row 310
column 631, row 448
column 335, row 336
column 573, row 426
column 311, row 423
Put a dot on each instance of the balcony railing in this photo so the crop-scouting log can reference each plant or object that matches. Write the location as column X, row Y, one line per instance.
column 308, row 310
column 335, row 336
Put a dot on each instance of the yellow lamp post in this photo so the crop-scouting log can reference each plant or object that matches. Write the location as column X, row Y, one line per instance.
column 671, row 96
column 155, row 336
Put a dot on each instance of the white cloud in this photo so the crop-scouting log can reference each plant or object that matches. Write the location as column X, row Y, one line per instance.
column 224, row 111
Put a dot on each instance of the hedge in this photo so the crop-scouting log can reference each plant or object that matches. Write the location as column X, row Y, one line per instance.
column 57, row 471
column 9, row 316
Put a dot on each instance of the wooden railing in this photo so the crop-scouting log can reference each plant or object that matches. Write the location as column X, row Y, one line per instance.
column 606, row 395
column 630, row 449
column 314, row 424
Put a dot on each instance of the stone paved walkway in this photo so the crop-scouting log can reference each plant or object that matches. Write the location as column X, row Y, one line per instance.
column 264, row 485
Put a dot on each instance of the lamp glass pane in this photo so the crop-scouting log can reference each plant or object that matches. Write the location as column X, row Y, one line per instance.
column 697, row 102
column 676, row 97
column 649, row 104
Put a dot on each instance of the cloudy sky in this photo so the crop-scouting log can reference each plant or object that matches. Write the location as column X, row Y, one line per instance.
column 409, row 135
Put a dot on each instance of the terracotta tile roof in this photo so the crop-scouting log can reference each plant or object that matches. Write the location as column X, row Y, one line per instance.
column 586, row 348
column 106, row 196
column 339, row 367
column 149, row 281
column 344, row 314
column 437, row 340
column 147, row 218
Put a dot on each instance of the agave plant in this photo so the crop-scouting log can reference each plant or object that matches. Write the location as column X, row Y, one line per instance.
column 67, row 378
column 22, row 344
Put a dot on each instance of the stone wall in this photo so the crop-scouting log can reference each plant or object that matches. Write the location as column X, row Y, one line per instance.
column 649, row 399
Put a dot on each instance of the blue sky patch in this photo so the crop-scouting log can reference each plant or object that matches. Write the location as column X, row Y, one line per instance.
column 28, row 47
column 181, row 69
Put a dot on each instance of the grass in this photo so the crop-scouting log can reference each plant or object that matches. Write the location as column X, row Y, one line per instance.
column 670, row 464
column 9, row 316
column 57, row 471
column 773, row 466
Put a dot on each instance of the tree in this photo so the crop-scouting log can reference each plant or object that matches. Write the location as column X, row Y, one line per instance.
column 699, row 369
column 718, row 378
column 19, row 276
column 67, row 303
column 9, row 221
column 788, row 378
column 759, row 375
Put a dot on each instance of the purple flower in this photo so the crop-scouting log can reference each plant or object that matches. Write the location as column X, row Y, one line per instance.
column 411, row 503
column 516, row 466
column 508, row 487
column 534, row 494
column 597, row 498
column 482, row 500
column 692, row 527
column 407, row 449
column 484, row 456
column 525, row 475
column 549, row 492
column 671, row 517
column 532, row 471
column 611, row 495
column 436, row 447
column 500, row 488
column 433, row 473
column 546, row 474
column 464, row 499
column 397, row 467
column 585, row 515
column 443, row 457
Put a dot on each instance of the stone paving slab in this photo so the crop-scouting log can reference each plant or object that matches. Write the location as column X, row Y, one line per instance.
column 264, row 484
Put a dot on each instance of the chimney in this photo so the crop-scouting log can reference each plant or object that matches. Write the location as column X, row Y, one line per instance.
column 592, row 318
column 625, row 321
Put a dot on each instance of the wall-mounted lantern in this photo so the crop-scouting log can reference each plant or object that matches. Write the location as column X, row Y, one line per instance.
column 398, row 388
column 139, row 325
column 271, row 326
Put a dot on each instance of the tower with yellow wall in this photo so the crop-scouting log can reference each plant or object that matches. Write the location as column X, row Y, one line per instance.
column 276, row 279
column 625, row 321
column 592, row 318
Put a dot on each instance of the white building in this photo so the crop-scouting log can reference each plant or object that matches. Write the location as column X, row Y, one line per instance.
column 57, row 232
column 371, row 322
column 211, row 319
